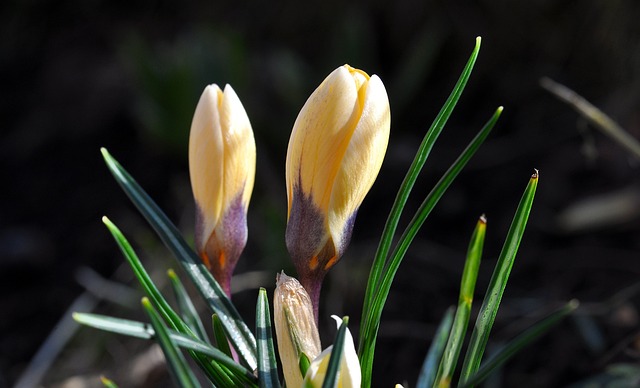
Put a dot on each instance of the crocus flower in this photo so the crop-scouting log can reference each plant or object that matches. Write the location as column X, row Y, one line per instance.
column 349, row 375
column 222, row 164
column 296, row 329
column 335, row 152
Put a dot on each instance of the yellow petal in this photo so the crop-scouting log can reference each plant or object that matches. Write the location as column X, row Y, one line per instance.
column 335, row 152
column 206, row 162
column 222, row 159
column 321, row 135
column 362, row 160
column 239, row 153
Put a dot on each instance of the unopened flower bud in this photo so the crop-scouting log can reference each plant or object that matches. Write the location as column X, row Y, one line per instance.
column 222, row 165
column 296, row 329
column 335, row 152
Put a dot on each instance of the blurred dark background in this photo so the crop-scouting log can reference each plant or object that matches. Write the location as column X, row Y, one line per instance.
column 79, row 75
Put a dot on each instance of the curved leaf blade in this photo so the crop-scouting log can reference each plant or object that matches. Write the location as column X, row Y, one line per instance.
column 180, row 371
column 210, row 290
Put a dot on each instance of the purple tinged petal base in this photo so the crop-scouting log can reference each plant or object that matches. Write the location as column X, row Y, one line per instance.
column 310, row 245
column 223, row 248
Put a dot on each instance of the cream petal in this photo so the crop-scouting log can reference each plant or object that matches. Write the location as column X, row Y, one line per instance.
column 205, row 163
column 239, row 152
column 361, row 162
column 349, row 376
column 320, row 137
column 222, row 168
column 318, row 369
column 350, row 373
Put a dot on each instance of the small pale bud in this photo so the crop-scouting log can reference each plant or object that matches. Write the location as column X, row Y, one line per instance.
column 296, row 329
column 222, row 165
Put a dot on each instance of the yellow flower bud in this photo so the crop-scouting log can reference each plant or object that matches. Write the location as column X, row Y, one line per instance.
column 349, row 375
column 222, row 164
column 296, row 329
column 335, row 152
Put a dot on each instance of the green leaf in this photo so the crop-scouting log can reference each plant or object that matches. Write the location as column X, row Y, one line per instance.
column 331, row 378
column 221, row 337
column 434, row 355
column 115, row 325
column 180, row 372
column 187, row 309
column 160, row 302
column 461, row 320
column 517, row 344
column 372, row 316
column 145, row 331
column 238, row 332
column 498, row 283
column 412, row 175
column 107, row 382
column 267, row 366
column 144, row 279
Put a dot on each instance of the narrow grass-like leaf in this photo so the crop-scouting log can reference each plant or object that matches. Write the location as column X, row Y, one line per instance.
column 187, row 309
column 498, row 282
column 369, row 321
column 221, row 337
column 331, row 378
column 107, row 382
column 461, row 320
column 180, row 371
column 145, row 331
column 369, row 331
column 267, row 366
column 154, row 294
column 115, row 325
column 238, row 332
column 144, row 279
column 412, row 175
column 517, row 344
column 434, row 355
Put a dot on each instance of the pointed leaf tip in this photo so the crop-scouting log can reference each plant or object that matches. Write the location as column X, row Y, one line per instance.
column 535, row 174
column 483, row 219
